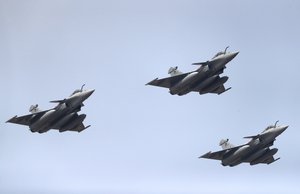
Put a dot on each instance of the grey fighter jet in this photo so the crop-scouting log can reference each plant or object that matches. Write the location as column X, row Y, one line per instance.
column 256, row 151
column 63, row 117
column 206, row 79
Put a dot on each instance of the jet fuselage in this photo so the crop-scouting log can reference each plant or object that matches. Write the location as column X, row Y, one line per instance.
column 206, row 78
column 256, row 151
column 63, row 115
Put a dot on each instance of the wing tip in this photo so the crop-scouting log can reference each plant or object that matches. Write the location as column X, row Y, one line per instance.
column 224, row 90
column 273, row 161
column 84, row 128
column 150, row 83
column 11, row 119
column 205, row 155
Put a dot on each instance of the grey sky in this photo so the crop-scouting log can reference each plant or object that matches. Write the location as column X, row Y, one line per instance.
column 142, row 139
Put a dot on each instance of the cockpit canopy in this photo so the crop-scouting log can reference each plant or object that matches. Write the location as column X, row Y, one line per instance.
column 78, row 90
column 221, row 52
column 269, row 127
column 218, row 54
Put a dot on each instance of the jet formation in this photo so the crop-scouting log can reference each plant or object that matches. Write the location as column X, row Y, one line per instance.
column 256, row 151
column 63, row 117
column 205, row 79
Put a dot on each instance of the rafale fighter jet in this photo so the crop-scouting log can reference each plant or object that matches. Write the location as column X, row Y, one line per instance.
column 205, row 79
column 256, row 151
column 63, row 117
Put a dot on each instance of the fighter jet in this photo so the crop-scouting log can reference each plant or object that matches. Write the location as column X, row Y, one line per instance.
column 256, row 151
column 63, row 117
column 205, row 79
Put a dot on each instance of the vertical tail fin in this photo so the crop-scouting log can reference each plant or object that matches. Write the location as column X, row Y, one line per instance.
column 225, row 144
column 174, row 71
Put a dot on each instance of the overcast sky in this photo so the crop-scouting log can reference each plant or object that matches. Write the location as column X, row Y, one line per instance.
column 142, row 140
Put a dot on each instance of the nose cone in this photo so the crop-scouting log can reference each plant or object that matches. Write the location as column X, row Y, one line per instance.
column 87, row 94
column 284, row 128
column 281, row 129
column 230, row 56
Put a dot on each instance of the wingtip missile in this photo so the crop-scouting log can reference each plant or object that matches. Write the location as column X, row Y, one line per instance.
column 201, row 63
column 252, row 137
column 58, row 101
